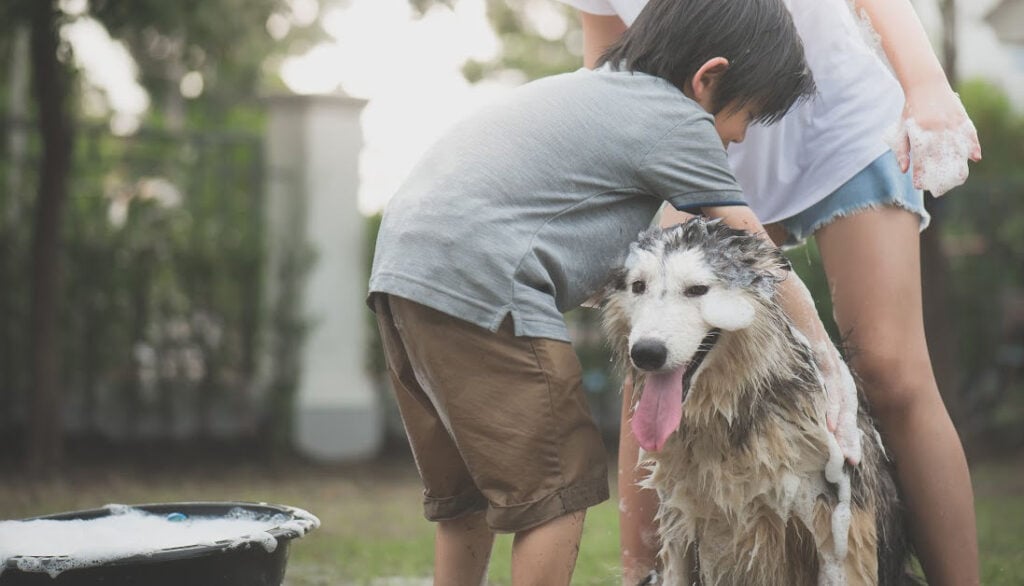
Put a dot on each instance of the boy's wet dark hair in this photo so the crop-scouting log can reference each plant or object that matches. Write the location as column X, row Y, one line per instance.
column 671, row 39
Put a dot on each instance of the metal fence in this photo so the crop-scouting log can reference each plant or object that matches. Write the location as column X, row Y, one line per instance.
column 160, row 300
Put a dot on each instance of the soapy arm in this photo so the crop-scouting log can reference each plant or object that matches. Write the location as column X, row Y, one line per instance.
column 796, row 301
column 934, row 128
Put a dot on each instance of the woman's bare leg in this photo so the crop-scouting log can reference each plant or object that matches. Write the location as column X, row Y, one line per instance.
column 872, row 260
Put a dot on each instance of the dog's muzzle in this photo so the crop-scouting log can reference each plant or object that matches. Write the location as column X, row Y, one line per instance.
column 648, row 354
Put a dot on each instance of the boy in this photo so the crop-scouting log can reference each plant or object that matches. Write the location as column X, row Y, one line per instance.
column 516, row 216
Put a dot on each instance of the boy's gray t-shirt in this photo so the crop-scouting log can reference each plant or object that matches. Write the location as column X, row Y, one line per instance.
column 524, row 208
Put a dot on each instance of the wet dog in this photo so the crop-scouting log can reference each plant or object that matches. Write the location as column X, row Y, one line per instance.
column 730, row 412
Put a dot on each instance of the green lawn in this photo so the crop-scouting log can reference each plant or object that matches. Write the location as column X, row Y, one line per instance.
column 373, row 533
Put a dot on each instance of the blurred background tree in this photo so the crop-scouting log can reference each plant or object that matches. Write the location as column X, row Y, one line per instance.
column 211, row 51
column 538, row 38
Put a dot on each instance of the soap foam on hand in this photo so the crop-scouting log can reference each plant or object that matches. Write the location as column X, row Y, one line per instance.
column 939, row 156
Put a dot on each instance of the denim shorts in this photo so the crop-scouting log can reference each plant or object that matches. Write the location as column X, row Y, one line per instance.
column 879, row 184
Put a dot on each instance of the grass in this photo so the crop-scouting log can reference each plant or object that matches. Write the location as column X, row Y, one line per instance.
column 999, row 505
column 373, row 532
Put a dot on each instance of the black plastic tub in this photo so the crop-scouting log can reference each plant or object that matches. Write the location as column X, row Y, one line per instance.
column 224, row 563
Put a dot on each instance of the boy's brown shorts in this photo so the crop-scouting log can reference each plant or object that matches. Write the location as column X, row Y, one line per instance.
column 496, row 422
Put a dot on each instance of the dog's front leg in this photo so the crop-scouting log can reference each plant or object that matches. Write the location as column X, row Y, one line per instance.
column 680, row 564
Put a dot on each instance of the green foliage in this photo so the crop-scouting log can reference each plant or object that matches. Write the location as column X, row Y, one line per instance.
column 225, row 41
column 983, row 234
column 287, row 334
column 162, row 278
column 523, row 48
column 421, row 6
column 162, row 243
column 1000, row 129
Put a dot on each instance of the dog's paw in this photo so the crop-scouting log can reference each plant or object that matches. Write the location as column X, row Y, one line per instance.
column 649, row 579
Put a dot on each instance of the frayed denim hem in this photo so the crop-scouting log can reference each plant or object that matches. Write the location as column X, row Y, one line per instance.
column 796, row 238
column 880, row 184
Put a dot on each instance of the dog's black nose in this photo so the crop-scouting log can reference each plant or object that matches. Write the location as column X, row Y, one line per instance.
column 648, row 354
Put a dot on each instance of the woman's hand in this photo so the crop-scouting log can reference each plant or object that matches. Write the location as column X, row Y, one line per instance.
column 934, row 130
column 841, row 396
column 937, row 134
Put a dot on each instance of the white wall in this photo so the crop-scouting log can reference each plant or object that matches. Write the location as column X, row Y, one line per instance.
column 312, row 146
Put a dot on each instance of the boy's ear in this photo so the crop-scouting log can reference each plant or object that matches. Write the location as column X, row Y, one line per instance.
column 705, row 81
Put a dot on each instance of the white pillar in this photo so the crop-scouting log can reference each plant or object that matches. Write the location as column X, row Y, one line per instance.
column 312, row 147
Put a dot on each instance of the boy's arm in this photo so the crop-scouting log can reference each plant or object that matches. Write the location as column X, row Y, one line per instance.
column 796, row 301
column 599, row 32
column 938, row 118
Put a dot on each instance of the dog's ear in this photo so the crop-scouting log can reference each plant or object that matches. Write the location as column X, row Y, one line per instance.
column 770, row 267
column 614, row 283
column 726, row 309
column 616, row 280
column 782, row 266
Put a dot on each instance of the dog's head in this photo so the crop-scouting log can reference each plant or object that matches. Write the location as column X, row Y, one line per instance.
column 665, row 309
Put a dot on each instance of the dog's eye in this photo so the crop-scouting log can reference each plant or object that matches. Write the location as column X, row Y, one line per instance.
column 639, row 287
column 696, row 290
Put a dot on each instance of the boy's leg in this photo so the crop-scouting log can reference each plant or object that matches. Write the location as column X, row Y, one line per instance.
column 515, row 411
column 462, row 542
column 546, row 555
column 638, row 537
column 872, row 259
column 462, row 550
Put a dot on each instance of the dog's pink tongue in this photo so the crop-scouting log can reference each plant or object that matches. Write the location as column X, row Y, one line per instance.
column 660, row 407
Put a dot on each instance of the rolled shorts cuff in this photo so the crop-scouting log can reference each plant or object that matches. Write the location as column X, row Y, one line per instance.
column 523, row 516
column 880, row 184
column 446, row 509
column 520, row 517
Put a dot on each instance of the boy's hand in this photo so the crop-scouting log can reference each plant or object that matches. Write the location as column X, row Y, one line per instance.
column 937, row 133
column 841, row 396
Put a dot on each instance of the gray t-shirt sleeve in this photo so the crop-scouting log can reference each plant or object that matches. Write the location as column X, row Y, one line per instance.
column 689, row 168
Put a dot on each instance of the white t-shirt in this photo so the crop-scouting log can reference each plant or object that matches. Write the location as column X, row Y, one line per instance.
column 823, row 142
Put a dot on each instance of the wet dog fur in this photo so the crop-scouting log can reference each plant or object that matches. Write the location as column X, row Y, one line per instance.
column 744, row 497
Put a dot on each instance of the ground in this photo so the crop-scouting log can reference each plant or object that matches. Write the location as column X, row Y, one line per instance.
column 373, row 532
